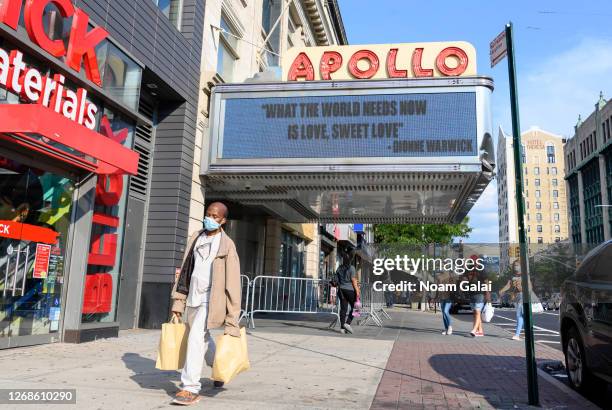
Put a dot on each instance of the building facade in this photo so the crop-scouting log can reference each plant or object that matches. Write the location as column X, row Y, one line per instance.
column 96, row 150
column 588, row 160
column 544, row 190
column 241, row 40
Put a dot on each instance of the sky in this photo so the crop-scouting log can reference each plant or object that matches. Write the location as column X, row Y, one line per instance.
column 563, row 53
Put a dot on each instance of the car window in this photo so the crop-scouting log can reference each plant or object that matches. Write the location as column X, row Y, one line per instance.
column 588, row 265
column 603, row 270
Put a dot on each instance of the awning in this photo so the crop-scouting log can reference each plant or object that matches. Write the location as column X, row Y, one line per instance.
column 43, row 130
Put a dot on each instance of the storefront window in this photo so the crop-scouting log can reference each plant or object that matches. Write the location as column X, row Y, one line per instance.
column 102, row 280
column 35, row 216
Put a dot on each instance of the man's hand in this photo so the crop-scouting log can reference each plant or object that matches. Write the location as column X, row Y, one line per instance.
column 178, row 314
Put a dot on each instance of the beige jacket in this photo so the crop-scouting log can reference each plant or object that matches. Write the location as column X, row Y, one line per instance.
column 225, row 293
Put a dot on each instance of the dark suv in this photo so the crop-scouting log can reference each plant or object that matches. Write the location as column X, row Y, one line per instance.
column 586, row 320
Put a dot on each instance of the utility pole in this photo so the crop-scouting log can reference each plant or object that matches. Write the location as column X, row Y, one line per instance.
column 532, row 370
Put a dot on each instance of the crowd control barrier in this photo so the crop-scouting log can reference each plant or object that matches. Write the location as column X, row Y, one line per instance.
column 277, row 294
column 245, row 285
column 372, row 306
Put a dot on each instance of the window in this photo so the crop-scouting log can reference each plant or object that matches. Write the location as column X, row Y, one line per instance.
column 555, row 182
column 556, row 205
column 523, row 154
column 537, row 182
column 525, row 171
column 550, row 154
column 270, row 14
column 557, row 229
column 540, row 240
column 557, row 239
column 555, row 193
column 527, row 217
column 538, row 193
column 527, row 204
column 539, row 218
column 536, row 170
column 227, row 53
column 538, row 205
column 171, row 9
column 553, row 170
column 526, row 182
column 556, row 217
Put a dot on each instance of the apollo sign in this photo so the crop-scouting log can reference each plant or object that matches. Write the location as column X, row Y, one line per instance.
column 82, row 40
column 408, row 60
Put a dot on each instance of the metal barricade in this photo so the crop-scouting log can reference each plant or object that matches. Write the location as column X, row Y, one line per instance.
column 372, row 305
column 277, row 294
column 245, row 286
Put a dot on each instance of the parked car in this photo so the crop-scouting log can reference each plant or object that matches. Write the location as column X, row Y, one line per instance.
column 495, row 300
column 554, row 302
column 586, row 320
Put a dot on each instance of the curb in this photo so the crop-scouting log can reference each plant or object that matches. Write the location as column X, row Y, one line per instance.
column 566, row 389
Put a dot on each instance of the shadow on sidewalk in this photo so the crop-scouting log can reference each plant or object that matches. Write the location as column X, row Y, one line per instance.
column 148, row 377
column 500, row 380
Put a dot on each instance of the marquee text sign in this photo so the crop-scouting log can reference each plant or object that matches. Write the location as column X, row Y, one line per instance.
column 350, row 126
column 407, row 60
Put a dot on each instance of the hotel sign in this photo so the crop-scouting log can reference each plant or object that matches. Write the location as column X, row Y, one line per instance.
column 407, row 60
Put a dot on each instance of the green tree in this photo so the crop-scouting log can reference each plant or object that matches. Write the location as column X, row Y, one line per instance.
column 416, row 234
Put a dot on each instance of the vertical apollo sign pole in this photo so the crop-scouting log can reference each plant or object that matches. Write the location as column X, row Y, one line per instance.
column 503, row 45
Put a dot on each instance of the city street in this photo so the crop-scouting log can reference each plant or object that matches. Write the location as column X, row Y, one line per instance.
column 407, row 363
column 545, row 325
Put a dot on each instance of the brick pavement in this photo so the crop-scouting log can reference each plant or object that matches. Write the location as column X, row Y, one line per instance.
column 429, row 371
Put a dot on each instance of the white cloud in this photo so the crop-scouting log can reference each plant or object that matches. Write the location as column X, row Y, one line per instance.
column 484, row 217
column 557, row 89
column 551, row 95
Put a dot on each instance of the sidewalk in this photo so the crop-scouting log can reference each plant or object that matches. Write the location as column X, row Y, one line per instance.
column 407, row 364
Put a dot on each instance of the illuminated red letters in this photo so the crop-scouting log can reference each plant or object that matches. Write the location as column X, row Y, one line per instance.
column 301, row 68
column 373, row 64
column 82, row 43
column 417, row 68
column 330, row 63
column 456, row 52
column 393, row 72
column 421, row 60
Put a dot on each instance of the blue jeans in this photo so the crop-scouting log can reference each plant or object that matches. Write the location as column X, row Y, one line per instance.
column 519, row 319
column 446, row 305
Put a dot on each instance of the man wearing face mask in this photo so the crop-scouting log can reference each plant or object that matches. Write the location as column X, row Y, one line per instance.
column 207, row 293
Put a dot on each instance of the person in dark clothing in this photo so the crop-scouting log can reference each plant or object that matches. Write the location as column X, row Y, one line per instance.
column 348, row 291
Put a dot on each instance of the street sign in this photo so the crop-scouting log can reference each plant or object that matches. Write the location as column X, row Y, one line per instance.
column 498, row 50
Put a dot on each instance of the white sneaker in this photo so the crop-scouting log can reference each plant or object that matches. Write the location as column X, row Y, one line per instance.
column 449, row 331
column 348, row 328
column 515, row 337
column 444, row 333
column 342, row 331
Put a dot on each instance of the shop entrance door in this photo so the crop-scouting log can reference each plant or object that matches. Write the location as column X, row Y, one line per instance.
column 35, row 216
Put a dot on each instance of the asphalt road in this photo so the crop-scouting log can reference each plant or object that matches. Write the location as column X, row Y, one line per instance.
column 545, row 325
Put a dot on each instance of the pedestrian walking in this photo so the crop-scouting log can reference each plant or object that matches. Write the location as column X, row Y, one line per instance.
column 446, row 301
column 348, row 290
column 515, row 290
column 207, row 294
column 477, row 298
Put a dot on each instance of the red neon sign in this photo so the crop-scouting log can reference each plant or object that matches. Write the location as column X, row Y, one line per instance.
column 82, row 41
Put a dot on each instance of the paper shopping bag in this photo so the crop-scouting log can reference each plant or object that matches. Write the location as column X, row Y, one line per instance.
column 172, row 345
column 231, row 357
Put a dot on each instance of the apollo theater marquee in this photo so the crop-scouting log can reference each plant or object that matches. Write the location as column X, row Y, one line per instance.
column 397, row 133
